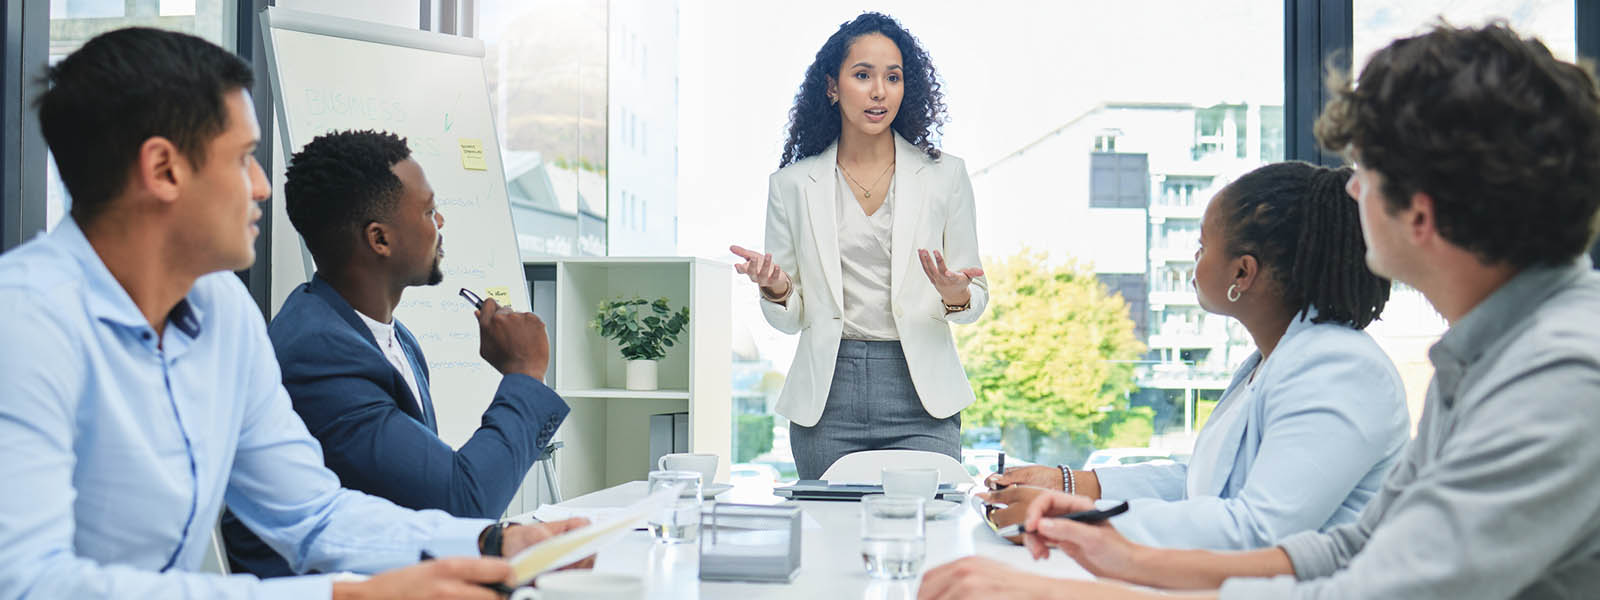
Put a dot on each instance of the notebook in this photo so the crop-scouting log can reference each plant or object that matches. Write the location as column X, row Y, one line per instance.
column 572, row 546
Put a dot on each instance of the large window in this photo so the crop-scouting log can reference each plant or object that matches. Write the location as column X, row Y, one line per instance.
column 547, row 73
column 1052, row 114
column 1094, row 134
column 73, row 22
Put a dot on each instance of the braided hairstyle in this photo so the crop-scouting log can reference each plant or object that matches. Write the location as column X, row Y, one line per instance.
column 1296, row 219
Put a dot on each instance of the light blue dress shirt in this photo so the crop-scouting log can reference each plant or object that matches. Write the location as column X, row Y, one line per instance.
column 1303, row 447
column 118, row 452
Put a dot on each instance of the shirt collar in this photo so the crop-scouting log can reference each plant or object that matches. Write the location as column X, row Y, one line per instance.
column 1465, row 341
column 107, row 300
column 383, row 332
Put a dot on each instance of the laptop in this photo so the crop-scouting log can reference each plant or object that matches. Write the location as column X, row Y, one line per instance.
column 818, row 489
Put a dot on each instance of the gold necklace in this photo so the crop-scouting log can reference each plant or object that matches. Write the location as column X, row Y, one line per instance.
column 865, row 190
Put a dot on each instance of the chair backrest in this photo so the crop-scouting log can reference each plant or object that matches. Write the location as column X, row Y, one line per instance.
column 867, row 466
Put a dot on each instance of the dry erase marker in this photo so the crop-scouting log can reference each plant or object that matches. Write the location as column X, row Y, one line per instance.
column 471, row 297
column 1000, row 469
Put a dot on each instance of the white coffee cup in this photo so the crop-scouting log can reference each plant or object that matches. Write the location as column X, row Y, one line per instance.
column 583, row 585
column 910, row 481
column 704, row 464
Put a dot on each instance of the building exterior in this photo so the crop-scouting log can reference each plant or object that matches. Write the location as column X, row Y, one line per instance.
column 643, row 134
column 586, row 100
column 1124, row 187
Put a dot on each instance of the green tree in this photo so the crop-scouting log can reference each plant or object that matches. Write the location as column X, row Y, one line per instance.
column 1053, row 354
column 753, row 436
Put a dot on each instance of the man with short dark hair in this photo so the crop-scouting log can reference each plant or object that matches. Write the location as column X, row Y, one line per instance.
column 358, row 377
column 139, row 387
column 1478, row 165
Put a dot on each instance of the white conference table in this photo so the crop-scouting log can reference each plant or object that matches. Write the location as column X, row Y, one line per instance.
column 830, row 562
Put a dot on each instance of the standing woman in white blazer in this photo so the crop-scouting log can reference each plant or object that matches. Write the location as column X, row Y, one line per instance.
column 872, row 252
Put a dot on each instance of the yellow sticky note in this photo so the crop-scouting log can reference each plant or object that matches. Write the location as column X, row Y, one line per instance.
column 472, row 155
column 501, row 295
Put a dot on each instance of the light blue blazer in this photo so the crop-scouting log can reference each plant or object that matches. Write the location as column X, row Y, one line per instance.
column 1303, row 447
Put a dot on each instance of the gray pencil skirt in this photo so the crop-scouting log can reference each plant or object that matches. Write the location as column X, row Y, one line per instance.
column 872, row 405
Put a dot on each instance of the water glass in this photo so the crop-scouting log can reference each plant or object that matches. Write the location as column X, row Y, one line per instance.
column 680, row 522
column 893, row 543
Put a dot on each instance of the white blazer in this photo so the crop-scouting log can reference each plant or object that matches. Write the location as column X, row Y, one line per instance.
column 1301, row 448
column 934, row 211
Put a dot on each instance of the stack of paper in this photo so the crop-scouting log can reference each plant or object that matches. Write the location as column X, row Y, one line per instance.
column 750, row 543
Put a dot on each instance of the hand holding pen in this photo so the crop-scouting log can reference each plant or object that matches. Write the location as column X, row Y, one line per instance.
column 1096, row 546
column 511, row 341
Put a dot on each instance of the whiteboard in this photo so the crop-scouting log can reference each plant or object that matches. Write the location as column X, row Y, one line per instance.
column 329, row 74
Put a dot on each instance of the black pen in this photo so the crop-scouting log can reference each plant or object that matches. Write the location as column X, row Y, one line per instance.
column 473, row 298
column 497, row 587
column 999, row 470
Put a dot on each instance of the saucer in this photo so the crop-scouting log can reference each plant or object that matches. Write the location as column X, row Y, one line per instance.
column 711, row 490
column 931, row 509
column 937, row 508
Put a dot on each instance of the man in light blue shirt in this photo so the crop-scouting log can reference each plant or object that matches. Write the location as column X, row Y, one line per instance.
column 139, row 387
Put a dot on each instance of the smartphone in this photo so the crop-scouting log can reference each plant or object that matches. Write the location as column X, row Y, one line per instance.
column 1087, row 516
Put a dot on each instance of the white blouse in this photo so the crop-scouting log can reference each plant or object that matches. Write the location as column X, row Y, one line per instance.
column 864, row 261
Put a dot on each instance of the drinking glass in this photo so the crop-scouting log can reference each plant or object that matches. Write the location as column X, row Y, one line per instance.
column 893, row 541
column 680, row 522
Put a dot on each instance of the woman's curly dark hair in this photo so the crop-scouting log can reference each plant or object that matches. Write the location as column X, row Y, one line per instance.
column 1504, row 137
column 814, row 122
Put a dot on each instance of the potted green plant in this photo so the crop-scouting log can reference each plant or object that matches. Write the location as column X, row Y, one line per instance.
column 643, row 331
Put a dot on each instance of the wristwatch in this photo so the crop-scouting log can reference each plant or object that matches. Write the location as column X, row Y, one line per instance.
column 776, row 299
column 489, row 541
column 955, row 308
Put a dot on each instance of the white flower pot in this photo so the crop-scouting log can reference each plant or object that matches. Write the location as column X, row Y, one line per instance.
column 642, row 375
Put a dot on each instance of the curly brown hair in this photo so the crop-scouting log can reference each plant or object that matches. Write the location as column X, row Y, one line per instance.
column 1501, row 135
column 814, row 122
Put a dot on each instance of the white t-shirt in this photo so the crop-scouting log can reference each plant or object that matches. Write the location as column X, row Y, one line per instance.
column 389, row 343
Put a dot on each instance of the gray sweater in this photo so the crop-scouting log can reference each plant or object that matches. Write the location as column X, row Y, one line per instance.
column 1499, row 494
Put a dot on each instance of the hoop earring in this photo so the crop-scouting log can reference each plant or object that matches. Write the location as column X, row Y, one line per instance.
column 1233, row 293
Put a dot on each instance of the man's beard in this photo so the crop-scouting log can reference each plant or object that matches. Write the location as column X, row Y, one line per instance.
column 436, row 275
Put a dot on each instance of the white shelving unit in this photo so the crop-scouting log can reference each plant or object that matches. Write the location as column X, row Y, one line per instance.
column 607, row 434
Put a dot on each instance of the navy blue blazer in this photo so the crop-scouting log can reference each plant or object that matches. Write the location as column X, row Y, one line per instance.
column 373, row 435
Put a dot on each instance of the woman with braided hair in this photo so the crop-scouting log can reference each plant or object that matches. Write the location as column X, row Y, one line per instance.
column 1312, row 421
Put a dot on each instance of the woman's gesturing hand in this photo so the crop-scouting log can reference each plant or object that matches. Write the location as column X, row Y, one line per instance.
column 763, row 271
column 952, row 285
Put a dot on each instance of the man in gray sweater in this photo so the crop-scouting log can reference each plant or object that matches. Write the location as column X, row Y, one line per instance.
column 1478, row 179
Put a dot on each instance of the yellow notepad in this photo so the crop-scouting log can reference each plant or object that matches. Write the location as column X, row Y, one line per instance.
column 572, row 546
